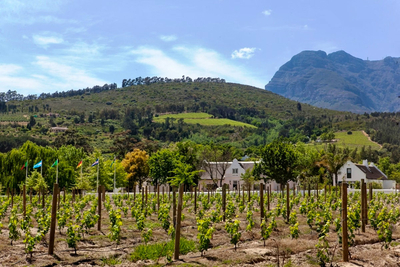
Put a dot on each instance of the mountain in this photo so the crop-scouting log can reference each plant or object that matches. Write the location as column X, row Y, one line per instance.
column 340, row 81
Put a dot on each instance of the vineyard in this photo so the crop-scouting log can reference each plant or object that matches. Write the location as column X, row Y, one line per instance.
column 262, row 228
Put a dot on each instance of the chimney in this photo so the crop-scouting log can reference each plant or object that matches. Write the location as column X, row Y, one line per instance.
column 365, row 162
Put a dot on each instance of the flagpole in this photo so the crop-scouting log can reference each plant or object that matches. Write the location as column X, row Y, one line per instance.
column 98, row 177
column 114, row 175
column 26, row 171
column 57, row 173
column 81, row 171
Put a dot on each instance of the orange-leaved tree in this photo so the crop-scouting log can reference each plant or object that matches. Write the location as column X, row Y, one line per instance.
column 135, row 164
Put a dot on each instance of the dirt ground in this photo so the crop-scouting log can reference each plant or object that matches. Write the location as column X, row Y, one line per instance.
column 96, row 249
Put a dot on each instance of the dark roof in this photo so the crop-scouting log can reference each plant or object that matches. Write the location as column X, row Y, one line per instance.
column 371, row 172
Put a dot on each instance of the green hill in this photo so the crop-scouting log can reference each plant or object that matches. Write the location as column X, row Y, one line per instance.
column 242, row 115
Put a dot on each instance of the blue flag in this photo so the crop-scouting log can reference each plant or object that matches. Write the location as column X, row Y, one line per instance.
column 95, row 163
column 38, row 165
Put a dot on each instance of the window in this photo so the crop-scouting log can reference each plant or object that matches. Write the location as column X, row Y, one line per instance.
column 348, row 173
column 235, row 171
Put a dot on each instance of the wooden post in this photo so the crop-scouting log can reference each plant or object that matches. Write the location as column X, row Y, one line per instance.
column 208, row 194
column 317, row 186
column 309, row 190
column 134, row 192
column 73, row 194
column 163, row 199
column 268, row 195
column 104, row 193
column 345, row 244
column 287, row 202
column 59, row 198
column 158, row 197
column 30, row 195
column 362, row 185
column 195, row 200
column 365, row 204
column 64, row 194
column 223, row 201
column 239, row 189
column 12, row 197
column 24, row 200
column 53, row 219
column 43, row 198
column 243, row 194
column 146, row 194
column 178, row 224
column 99, row 208
column 294, row 190
column 249, row 196
column 261, row 202
column 142, row 197
column 370, row 192
column 325, row 193
column 8, row 193
column 174, row 206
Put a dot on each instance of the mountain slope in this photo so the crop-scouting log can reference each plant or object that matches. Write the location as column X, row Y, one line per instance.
column 339, row 81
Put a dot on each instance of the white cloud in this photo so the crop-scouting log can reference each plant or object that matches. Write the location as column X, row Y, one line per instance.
column 168, row 38
column 267, row 12
column 65, row 76
column 45, row 41
column 193, row 62
column 245, row 53
column 11, row 77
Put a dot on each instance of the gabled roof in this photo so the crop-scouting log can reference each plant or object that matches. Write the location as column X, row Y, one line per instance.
column 371, row 172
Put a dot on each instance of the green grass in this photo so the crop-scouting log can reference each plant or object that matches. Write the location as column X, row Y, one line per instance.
column 202, row 119
column 161, row 249
column 355, row 140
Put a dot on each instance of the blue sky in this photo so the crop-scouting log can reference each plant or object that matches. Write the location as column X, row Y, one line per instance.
column 57, row 45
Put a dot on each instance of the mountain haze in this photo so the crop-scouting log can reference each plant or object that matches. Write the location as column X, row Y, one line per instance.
column 340, row 81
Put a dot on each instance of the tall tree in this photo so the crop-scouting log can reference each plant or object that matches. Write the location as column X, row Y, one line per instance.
column 215, row 161
column 136, row 166
column 162, row 165
column 333, row 159
column 279, row 162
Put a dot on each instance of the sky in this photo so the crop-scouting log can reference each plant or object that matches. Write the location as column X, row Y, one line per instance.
column 58, row 45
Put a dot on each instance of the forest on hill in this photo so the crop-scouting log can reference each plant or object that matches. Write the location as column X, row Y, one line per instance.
column 114, row 120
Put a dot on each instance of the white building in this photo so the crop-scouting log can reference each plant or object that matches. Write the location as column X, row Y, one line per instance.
column 233, row 171
column 352, row 172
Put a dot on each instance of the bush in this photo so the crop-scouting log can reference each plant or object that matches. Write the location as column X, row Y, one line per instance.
column 349, row 132
column 161, row 249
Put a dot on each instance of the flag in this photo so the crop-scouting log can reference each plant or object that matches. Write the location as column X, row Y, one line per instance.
column 54, row 164
column 37, row 165
column 112, row 162
column 79, row 164
column 95, row 163
column 25, row 165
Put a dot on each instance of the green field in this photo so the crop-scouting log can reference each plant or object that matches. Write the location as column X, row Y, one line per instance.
column 202, row 119
column 356, row 139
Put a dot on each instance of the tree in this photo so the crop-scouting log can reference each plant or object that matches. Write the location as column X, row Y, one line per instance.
column 111, row 129
column 215, row 161
column 183, row 174
column 72, row 137
column 162, row 165
column 279, row 162
column 136, row 166
column 32, row 121
column 333, row 159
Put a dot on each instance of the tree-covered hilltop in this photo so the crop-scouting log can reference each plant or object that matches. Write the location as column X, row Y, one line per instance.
column 103, row 116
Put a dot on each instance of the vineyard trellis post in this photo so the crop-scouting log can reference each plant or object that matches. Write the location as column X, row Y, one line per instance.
column 243, row 194
column 8, row 193
column 294, row 190
column 365, row 204
column 287, row 202
column 345, row 244
column 309, row 190
column 317, row 187
column 325, row 193
column 268, row 196
column 249, row 196
column 261, row 201
column 99, row 208
column 195, row 199
column 362, row 206
column 12, row 197
column 142, row 190
column 43, row 197
column 53, row 219
column 58, row 198
column 24, row 199
column 239, row 189
column 178, row 224
column 174, row 206
column 158, row 197
column 30, row 195
column 64, row 194
column 370, row 192
column 223, row 201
